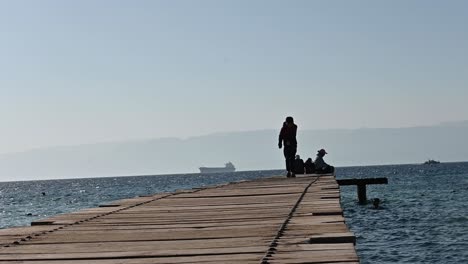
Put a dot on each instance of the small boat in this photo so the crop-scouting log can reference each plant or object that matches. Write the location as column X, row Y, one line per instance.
column 431, row 162
column 228, row 167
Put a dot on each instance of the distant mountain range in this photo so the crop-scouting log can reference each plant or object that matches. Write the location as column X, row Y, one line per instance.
column 250, row 150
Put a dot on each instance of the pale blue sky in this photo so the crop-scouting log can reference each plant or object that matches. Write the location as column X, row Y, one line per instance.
column 74, row 72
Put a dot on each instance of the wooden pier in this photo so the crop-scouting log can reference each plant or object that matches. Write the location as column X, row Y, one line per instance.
column 273, row 220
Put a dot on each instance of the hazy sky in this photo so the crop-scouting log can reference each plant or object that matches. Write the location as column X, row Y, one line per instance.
column 74, row 72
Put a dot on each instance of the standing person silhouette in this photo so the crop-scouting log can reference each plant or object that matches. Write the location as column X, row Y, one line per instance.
column 287, row 137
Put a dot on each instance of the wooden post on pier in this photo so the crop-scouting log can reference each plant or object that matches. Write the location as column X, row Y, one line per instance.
column 361, row 191
column 361, row 186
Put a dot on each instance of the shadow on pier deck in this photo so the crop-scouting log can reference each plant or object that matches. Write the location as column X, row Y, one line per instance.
column 274, row 220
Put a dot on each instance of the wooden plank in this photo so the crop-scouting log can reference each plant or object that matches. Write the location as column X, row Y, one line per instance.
column 225, row 259
column 362, row 181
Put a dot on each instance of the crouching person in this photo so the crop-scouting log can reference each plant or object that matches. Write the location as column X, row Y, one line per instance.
column 309, row 166
column 298, row 165
column 321, row 167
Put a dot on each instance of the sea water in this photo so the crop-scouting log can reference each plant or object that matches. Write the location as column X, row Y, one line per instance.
column 423, row 216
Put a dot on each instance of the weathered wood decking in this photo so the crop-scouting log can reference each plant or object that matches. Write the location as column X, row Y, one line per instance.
column 274, row 220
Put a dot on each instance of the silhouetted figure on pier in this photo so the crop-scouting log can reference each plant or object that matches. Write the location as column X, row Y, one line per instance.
column 309, row 166
column 287, row 137
column 298, row 165
column 321, row 167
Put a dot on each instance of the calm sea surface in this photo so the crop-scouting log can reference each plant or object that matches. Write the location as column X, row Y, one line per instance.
column 423, row 219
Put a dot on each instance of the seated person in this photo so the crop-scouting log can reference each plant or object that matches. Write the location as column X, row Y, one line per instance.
column 309, row 166
column 298, row 166
column 321, row 167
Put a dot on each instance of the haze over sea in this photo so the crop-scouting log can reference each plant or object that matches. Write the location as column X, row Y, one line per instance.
column 423, row 218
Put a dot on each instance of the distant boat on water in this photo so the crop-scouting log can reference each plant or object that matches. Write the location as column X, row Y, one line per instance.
column 431, row 162
column 228, row 167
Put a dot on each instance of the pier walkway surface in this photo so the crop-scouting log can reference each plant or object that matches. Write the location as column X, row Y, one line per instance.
column 271, row 220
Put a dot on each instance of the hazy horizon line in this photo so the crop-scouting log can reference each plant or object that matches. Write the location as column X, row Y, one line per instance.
column 181, row 138
column 193, row 173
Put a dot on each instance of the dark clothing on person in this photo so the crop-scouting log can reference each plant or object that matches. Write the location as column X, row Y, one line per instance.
column 320, row 163
column 298, row 166
column 309, row 166
column 326, row 170
column 321, row 167
column 289, row 155
column 287, row 138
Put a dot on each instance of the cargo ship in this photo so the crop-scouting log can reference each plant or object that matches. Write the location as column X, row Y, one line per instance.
column 228, row 167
